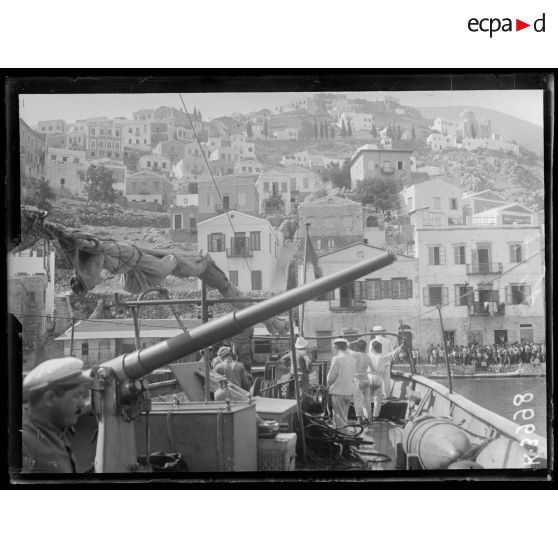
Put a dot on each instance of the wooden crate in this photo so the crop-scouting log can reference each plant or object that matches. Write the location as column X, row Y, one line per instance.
column 277, row 454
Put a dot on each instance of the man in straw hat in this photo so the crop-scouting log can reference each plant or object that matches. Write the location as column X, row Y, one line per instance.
column 340, row 381
column 54, row 391
column 303, row 364
column 231, row 369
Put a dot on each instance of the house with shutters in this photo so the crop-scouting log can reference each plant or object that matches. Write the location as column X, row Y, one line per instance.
column 374, row 161
column 486, row 271
column 382, row 298
column 245, row 247
column 150, row 188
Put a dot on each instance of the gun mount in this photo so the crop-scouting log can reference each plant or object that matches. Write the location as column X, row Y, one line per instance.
column 119, row 378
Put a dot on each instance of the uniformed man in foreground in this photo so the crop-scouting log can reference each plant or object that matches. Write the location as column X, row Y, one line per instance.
column 56, row 392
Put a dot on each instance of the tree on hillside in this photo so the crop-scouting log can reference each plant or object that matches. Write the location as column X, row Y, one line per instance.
column 321, row 129
column 378, row 192
column 98, row 184
column 413, row 133
column 349, row 128
column 249, row 130
column 340, row 177
column 37, row 192
column 326, row 130
column 398, row 133
column 332, row 132
column 315, row 129
column 306, row 130
column 473, row 132
column 343, row 129
column 265, row 129
column 374, row 131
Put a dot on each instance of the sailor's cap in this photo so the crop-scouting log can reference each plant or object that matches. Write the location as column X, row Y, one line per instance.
column 56, row 372
column 340, row 340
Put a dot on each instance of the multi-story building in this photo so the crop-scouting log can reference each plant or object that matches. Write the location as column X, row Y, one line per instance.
column 286, row 133
column 57, row 140
column 485, row 271
column 447, row 127
column 231, row 149
column 247, row 251
column 63, row 168
column 173, row 149
column 235, row 191
column 193, row 163
column 32, row 150
column 384, row 297
column 184, row 222
column 104, row 139
column 184, row 134
column 48, row 127
column 291, row 184
column 299, row 103
column 370, row 161
column 360, row 121
column 118, row 170
column 155, row 162
column 334, row 222
column 177, row 116
column 77, row 140
column 136, row 134
column 149, row 187
column 160, row 130
column 221, row 167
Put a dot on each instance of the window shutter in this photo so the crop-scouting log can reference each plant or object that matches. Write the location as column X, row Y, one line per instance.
column 442, row 255
column 357, row 288
column 389, row 289
column 474, row 257
column 383, row 289
column 508, row 295
column 458, row 300
column 431, row 255
column 456, row 256
column 512, row 260
column 209, row 243
column 425, row 296
column 409, row 288
column 527, row 294
column 444, row 296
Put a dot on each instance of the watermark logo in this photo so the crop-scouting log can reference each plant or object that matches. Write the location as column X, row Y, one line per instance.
column 494, row 25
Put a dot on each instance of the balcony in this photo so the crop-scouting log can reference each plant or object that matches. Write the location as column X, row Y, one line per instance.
column 482, row 268
column 347, row 305
column 239, row 252
column 487, row 309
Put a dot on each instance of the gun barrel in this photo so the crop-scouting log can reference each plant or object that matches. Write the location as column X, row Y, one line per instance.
column 135, row 365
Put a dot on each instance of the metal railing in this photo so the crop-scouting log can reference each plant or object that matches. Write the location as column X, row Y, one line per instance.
column 480, row 268
column 347, row 305
column 487, row 309
column 239, row 252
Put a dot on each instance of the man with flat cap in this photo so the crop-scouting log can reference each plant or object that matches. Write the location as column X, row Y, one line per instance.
column 54, row 391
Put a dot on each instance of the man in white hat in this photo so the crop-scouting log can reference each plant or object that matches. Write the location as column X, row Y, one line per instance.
column 378, row 335
column 340, row 381
column 361, row 390
column 232, row 370
column 303, row 364
column 54, row 391
column 381, row 377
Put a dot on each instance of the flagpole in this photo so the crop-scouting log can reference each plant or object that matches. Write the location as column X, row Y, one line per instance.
column 301, row 325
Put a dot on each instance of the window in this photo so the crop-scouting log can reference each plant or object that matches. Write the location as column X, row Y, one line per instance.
column 399, row 165
column 500, row 336
column 53, row 157
column 435, row 295
column 515, row 253
column 453, row 203
column 256, row 280
column 283, row 186
column 266, row 186
column 76, row 160
column 459, row 254
column 450, row 337
column 373, row 289
column 518, row 294
column 401, row 288
column 255, row 241
column 233, row 278
column 436, row 255
column 463, row 295
column 292, row 183
column 102, row 132
column 330, row 243
column 177, row 221
column 62, row 181
column 525, row 333
column 216, row 242
column 85, row 349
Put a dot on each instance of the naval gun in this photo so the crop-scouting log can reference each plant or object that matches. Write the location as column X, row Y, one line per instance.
column 117, row 382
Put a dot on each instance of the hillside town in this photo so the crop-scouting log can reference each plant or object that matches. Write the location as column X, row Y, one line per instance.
column 357, row 179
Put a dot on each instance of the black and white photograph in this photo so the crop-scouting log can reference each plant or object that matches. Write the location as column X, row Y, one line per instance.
column 280, row 284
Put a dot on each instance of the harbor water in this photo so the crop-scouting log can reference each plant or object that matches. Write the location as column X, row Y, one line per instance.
column 497, row 395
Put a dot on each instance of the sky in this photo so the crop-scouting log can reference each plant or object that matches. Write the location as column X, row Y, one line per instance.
column 523, row 104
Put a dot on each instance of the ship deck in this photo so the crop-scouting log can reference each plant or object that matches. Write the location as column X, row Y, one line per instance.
column 384, row 434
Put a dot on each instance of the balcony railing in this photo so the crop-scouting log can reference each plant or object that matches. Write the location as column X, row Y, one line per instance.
column 480, row 268
column 239, row 252
column 347, row 305
column 487, row 309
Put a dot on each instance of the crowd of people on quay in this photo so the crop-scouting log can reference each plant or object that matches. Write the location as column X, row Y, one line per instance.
column 480, row 356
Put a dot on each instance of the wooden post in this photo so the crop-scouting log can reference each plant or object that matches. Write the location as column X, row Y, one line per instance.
column 72, row 337
column 297, row 390
column 137, row 340
column 205, row 318
column 450, row 379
